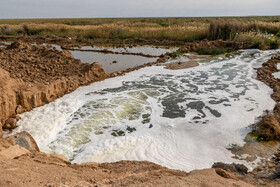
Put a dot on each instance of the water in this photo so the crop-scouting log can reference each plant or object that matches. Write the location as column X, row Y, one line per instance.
column 119, row 62
column 145, row 50
column 277, row 74
column 112, row 62
column 184, row 119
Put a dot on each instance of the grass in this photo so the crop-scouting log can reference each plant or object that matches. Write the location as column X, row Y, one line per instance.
column 176, row 53
column 259, row 40
column 164, row 30
column 214, row 51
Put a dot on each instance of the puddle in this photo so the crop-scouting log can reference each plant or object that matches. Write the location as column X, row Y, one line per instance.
column 119, row 62
column 112, row 62
column 254, row 150
column 145, row 50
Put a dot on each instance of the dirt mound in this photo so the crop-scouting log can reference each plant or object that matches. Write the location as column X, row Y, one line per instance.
column 40, row 63
column 182, row 65
column 34, row 75
column 269, row 127
column 194, row 46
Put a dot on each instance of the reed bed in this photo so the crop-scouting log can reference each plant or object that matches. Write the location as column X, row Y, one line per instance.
column 150, row 29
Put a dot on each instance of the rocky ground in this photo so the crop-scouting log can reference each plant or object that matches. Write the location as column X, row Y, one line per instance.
column 31, row 76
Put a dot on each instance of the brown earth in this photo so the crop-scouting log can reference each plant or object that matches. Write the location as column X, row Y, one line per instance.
column 22, row 167
column 187, row 47
column 31, row 76
column 194, row 46
column 182, row 65
column 269, row 126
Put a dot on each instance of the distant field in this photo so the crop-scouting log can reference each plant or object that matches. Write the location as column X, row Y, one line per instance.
column 116, row 30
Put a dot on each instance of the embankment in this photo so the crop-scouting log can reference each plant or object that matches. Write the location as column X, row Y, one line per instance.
column 269, row 127
column 31, row 76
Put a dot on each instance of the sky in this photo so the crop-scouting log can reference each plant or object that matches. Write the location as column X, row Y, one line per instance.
column 135, row 8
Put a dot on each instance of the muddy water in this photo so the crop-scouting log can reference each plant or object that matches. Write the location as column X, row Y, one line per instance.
column 184, row 119
column 145, row 50
column 132, row 57
column 112, row 62
column 119, row 62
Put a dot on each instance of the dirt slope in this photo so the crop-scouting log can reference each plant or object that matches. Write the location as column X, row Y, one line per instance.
column 31, row 76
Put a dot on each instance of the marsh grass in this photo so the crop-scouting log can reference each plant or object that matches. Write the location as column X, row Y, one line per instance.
column 214, row 51
column 258, row 40
column 117, row 30
column 228, row 30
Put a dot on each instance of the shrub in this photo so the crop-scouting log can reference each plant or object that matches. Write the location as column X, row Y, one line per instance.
column 268, row 128
column 278, row 34
column 6, row 30
column 227, row 31
column 176, row 53
column 26, row 29
column 258, row 40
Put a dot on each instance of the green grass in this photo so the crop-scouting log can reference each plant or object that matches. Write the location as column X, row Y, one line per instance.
column 214, row 51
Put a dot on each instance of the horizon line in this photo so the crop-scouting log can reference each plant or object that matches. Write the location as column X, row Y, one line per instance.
column 230, row 16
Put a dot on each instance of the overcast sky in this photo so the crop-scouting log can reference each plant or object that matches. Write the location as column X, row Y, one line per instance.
column 135, row 8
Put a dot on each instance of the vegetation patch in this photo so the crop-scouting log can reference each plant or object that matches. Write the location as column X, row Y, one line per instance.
column 214, row 51
column 258, row 40
column 268, row 128
column 148, row 30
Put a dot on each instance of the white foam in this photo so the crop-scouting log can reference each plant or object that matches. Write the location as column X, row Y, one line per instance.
column 70, row 125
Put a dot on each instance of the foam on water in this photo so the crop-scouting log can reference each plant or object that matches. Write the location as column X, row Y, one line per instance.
column 184, row 119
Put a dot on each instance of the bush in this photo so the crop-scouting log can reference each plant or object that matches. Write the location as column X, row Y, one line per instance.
column 227, row 31
column 176, row 53
column 26, row 29
column 278, row 34
column 274, row 44
column 268, row 128
column 258, row 40
column 6, row 30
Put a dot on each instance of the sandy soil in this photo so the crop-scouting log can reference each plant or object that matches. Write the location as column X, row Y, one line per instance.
column 182, row 65
column 31, row 168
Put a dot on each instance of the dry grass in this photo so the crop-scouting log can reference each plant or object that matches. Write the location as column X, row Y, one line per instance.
column 150, row 29
column 268, row 128
column 119, row 30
